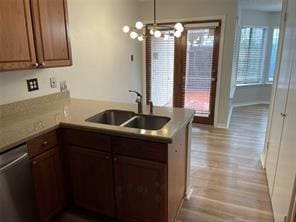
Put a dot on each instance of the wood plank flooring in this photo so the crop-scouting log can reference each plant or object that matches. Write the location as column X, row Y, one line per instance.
column 228, row 179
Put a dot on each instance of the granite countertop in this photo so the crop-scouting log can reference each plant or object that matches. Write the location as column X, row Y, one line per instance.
column 22, row 121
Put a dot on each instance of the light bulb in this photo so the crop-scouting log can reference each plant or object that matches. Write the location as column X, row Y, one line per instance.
column 152, row 31
column 126, row 29
column 177, row 34
column 166, row 37
column 179, row 27
column 141, row 38
column 157, row 34
column 134, row 35
column 139, row 25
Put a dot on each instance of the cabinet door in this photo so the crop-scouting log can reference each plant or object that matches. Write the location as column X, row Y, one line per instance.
column 92, row 179
column 52, row 34
column 48, row 183
column 16, row 38
column 280, row 101
column 140, row 189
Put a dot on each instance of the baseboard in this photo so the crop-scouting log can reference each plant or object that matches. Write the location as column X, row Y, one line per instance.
column 188, row 193
column 262, row 158
column 251, row 103
column 229, row 116
column 222, row 126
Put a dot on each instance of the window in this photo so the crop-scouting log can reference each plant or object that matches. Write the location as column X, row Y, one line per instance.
column 251, row 55
column 273, row 54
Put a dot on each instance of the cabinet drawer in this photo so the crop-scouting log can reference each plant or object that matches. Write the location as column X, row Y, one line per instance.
column 87, row 139
column 140, row 149
column 42, row 143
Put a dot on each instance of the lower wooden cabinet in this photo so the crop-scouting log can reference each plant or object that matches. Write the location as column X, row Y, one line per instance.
column 91, row 179
column 48, row 183
column 141, row 189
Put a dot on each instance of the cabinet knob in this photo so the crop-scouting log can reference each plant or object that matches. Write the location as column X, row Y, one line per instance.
column 45, row 143
column 107, row 157
column 115, row 159
column 36, row 65
column 42, row 64
column 34, row 163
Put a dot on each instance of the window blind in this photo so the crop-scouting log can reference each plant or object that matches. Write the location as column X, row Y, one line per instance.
column 162, row 54
column 251, row 55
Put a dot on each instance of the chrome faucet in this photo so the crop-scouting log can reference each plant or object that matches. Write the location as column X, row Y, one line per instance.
column 139, row 100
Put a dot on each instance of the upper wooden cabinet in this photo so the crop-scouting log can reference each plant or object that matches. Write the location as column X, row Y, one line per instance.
column 34, row 34
column 50, row 19
column 17, row 50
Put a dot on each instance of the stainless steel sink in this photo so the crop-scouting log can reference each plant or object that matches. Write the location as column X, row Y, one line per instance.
column 148, row 122
column 112, row 117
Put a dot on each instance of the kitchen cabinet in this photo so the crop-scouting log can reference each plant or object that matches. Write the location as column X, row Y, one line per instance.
column 34, row 34
column 16, row 37
column 48, row 174
column 50, row 19
column 48, row 183
column 281, row 153
column 148, row 177
column 140, row 188
column 91, row 179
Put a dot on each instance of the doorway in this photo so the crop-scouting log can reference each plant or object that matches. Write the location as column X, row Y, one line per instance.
column 182, row 72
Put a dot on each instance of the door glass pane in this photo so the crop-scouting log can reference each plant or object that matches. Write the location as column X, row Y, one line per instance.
column 200, row 48
column 162, row 71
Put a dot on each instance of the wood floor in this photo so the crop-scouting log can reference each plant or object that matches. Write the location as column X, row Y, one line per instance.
column 227, row 176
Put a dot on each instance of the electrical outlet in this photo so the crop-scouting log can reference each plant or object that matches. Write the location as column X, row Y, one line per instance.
column 32, row 84
column 53, row 82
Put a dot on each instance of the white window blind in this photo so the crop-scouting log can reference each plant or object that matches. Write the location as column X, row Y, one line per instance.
column 251, row 55
column 162, row 71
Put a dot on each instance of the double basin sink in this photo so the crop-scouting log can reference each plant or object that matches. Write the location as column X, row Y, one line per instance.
column 129, row 119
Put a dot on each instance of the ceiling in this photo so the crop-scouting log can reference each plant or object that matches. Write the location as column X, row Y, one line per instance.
column 262, row 5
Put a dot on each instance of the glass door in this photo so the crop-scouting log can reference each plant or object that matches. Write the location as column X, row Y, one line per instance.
column 182, row 72
column 201, row 73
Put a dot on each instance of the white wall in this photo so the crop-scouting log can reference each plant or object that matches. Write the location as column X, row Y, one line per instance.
column 257, row 94
column 252, row 94
column 101, row 55
column 188, row 9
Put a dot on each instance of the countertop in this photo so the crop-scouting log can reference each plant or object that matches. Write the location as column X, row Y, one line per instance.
column 22, row 121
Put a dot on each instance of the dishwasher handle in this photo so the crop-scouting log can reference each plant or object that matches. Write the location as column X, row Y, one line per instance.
column 13, row 162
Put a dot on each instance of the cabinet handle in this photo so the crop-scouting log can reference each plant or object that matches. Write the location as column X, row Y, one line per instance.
column 284, row 115
column 36, row 65
column 45, row 143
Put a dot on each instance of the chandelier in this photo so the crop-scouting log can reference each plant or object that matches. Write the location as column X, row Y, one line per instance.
column 156, row 30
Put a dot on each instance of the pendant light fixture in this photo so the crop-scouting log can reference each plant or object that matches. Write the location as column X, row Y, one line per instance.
column 138, row 31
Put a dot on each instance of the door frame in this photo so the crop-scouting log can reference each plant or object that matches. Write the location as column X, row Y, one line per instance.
column 222, row 18
column 179, row 80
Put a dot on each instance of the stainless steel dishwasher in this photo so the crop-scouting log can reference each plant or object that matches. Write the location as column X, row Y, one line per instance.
column 16, row 187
